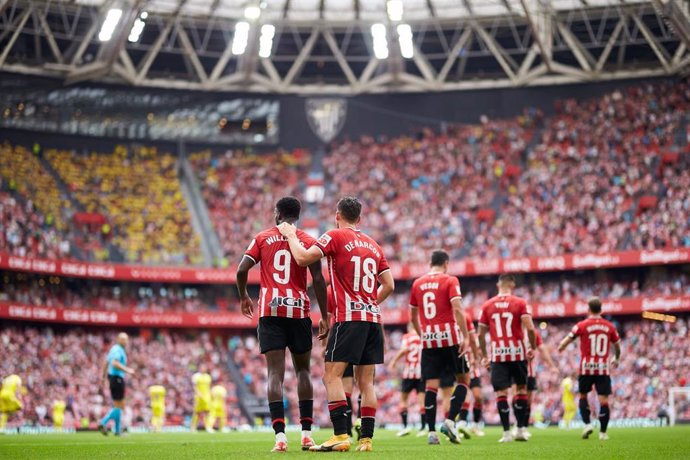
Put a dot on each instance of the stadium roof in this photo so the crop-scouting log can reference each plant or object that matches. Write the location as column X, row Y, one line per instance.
column 343, row 46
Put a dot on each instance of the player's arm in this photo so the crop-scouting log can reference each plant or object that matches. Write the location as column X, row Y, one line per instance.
column 414, row 319
column 567, row 340
column 545, row 353
column 616, row 352
column 396, row 358
column 473, row 345
column 321, row 297
column 456, row 303
column 528, row 324
column 482, row 329
column 303, row 257
column 386, row 286
column 241, row 276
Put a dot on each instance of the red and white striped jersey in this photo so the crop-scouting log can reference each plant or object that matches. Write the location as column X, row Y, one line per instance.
column 531, row 370
column 503, row 316
column 432, row 295
column 413, row 357
column 283, row 282
column 355, row 262
column 596, row 336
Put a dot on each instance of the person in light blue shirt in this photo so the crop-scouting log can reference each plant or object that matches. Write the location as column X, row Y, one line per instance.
column 114, row 371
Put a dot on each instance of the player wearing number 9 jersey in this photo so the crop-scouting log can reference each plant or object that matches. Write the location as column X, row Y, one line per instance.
column 504, row 317
column 284, row 315
column 361, row 281
column 596, row 338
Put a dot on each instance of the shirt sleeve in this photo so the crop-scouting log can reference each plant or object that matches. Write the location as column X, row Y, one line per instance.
column 576, row 331
column 614, row 337
column 383, row 264
column 326, row 243
column 454, row 289
column 253, row 251
column 482, row 316
column 307, row 240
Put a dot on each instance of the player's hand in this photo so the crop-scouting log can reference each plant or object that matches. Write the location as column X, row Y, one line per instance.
column 485, row 362
column 287, row 230
column 465, row 348
column 614, row 363
column 323, row 329
column 530, row 354
column 130, row 371
column 247, row 307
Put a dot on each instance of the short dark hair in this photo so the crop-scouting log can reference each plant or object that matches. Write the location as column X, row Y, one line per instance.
column 506, row 278
column 439, row 257
column 289, row 208
column 350, row 208
column 594, row 305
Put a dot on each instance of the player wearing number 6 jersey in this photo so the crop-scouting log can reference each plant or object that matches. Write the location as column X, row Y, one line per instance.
column 596, row 337
column 284, row 315
column 361, row 281
column 436, row 313
column 504, row 317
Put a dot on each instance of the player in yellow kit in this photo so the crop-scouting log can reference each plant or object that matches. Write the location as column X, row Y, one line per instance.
column 568, row 399
column 157, row 396
column 59, row 413
column 10, row 398
column 218, row 395
column 202, row 398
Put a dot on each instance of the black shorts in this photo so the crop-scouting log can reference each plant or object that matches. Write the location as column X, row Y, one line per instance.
column 532, row 384
column 409, row 385
column 355, row 342
column 504, row 375
column 349, row 371
column 117, row 387
column 447, row 378
column 475, row 382
column 602, row 383
column 439, row 361
column 277, row 333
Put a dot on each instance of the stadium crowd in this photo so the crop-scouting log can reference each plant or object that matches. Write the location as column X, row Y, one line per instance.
column 51, row 291
column 240, row 191
column 528, row 185
column 67, row 365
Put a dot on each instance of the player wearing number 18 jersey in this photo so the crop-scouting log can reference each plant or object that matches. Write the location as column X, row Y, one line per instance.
column 436, row 312
column 596, row 335
column 504, row 317
column 361, row 281
column 284, row 315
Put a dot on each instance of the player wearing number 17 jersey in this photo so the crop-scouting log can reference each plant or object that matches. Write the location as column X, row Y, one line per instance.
column 436, row 313
column 596, row 338
column 504, row 317
column 284, row 315
column 361, row 281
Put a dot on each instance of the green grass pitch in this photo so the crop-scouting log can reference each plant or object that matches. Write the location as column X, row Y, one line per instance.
column 625, row 443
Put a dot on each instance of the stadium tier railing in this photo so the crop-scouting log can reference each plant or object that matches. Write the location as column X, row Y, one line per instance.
column 468, row 267
column 235, row 320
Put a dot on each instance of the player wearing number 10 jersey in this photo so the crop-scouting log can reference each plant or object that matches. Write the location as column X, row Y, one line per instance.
column 284, row 315
column 355, row 262
column 505, row 316
column 436, row 313
column 596, row 337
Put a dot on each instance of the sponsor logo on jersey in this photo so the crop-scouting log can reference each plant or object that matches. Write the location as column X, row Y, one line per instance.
column 286, row 302
column 441, row 335
column 363, row 306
